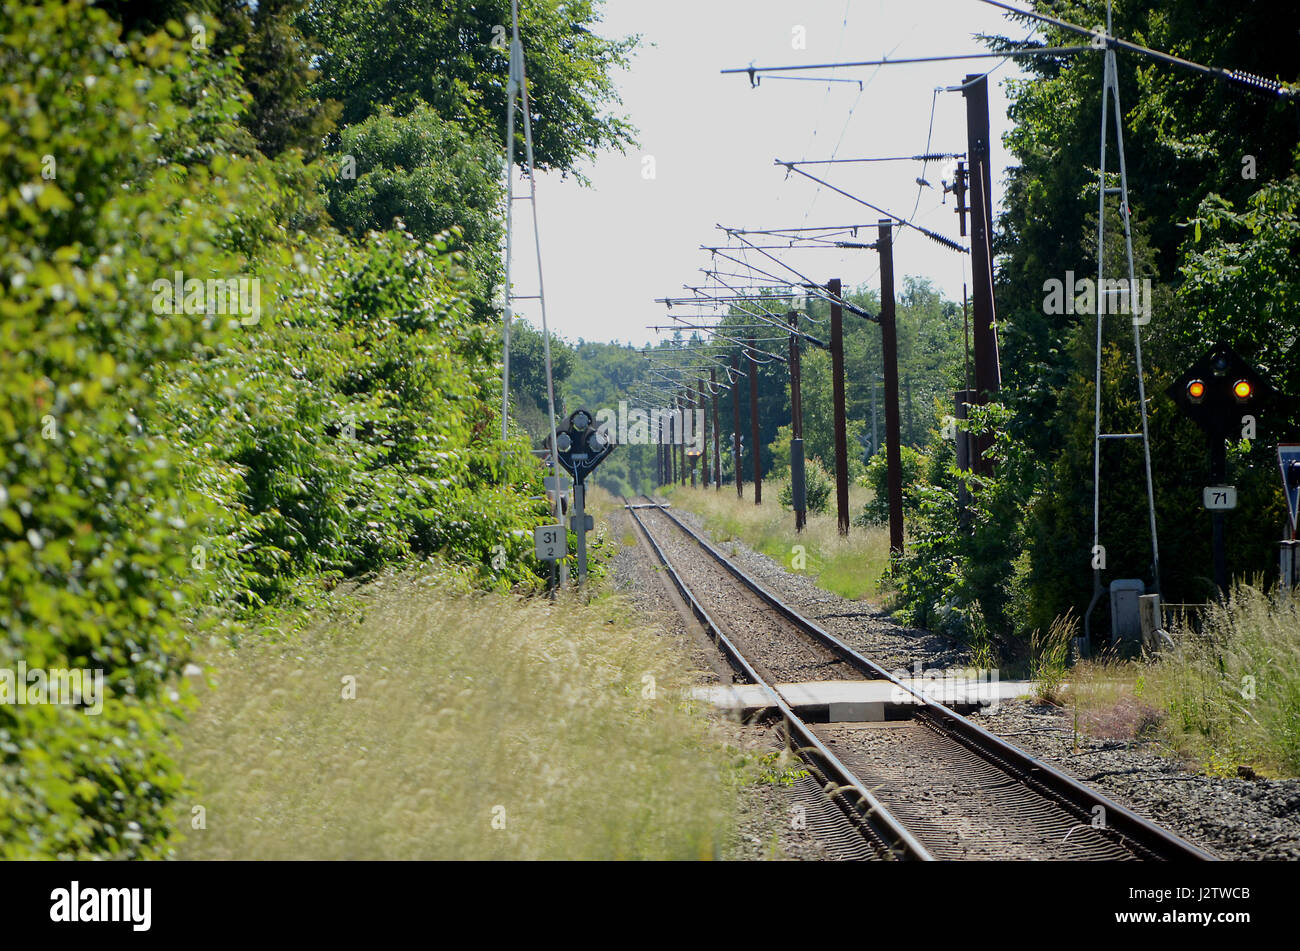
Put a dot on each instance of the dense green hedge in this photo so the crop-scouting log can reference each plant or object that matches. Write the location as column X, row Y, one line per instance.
column 161, row 472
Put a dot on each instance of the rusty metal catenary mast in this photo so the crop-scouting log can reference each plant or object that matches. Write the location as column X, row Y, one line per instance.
column 889, row 355
column 798, row 493
column 837, row 398
column 754, row 427
column 988, row 373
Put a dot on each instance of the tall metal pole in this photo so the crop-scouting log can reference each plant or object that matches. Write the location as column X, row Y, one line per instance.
column 717, row 456
column 517, row 55
column 663, row 458
column 837, row 398
column 507, row 313
column 753, row 426
column 673, row 425
column 889, row 355
column 735, row 439
column 688, row 470
column 681, row 437
column 702, row 432
column 875, row 428
column 988, row 375
column 797, row 485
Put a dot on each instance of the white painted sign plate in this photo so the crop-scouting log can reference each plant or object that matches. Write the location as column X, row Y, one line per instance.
column 1219, row 498
column 551, row 541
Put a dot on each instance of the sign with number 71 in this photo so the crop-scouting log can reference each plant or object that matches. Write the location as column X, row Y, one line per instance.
column 1219, row 497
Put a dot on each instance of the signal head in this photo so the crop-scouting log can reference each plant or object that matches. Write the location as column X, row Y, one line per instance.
column 1243, row 390
column 1196, row 391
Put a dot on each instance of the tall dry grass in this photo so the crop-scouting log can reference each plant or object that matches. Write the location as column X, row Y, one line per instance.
column 483, row 727
column 1226, row 695
column 1050, row 657
column 850, row 567
column 1231, row 691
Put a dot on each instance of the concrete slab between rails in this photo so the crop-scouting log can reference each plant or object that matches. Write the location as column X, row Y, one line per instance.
column 850, row 701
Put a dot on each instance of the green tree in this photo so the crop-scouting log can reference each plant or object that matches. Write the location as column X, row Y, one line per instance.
column 1187, row 139
column 429, row 173
column 528, row 377
column 449, row 56
column 276, row 62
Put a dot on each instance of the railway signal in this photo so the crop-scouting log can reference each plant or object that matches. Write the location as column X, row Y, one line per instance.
column 1223, row 395
column 692, row 457
column 580, row 448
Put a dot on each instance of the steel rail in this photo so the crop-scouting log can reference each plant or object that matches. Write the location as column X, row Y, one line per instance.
column 875, row 820
column 1140, row 834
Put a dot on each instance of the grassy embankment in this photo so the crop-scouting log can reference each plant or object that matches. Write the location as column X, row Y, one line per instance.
column 480, row 726
column 850, row 567
column 1224, row 697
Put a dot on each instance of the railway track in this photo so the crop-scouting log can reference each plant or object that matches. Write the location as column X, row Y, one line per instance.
column 934, row 785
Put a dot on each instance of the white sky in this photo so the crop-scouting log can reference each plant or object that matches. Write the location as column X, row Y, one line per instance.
column 609, row 250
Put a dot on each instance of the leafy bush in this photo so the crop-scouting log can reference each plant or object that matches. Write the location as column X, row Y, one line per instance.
column 161, row 470
column 911, row 464
column 957, row 574
column 428, row 173
column 96, row 520
column 817, row 488
column 361, row 435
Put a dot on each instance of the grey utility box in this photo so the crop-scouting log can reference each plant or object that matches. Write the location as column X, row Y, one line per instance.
column 1125, row 616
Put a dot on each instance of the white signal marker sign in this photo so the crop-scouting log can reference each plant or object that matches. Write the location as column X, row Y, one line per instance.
column 1219, row 497
column 551, row 541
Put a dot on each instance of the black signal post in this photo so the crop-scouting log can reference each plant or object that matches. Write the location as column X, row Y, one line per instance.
column 581, row 448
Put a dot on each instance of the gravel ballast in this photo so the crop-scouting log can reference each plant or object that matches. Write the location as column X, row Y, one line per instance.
column 1233, row 818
